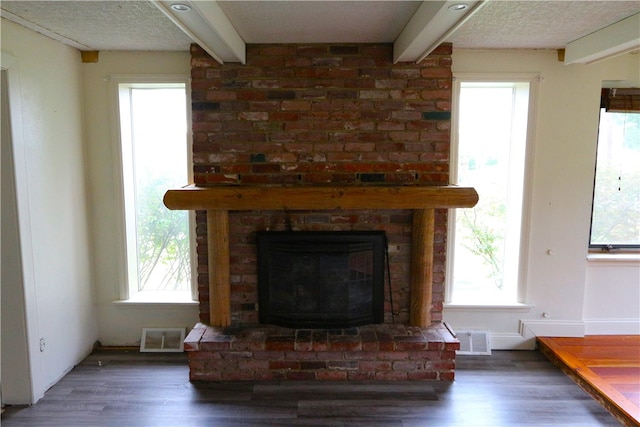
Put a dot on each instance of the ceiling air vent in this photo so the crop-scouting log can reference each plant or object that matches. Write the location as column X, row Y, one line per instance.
column 474, row 342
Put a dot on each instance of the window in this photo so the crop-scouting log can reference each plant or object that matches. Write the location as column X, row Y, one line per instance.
column 615, row 215
column 489, row 152
column 154, row 154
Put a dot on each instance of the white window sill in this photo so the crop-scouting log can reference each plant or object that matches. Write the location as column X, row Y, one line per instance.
column 613, row 258
column 159, row 298
column 511, row 307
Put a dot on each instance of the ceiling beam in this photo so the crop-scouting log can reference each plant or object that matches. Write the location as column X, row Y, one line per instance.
column 616, row 39
column 207, row 25
column 432, row 23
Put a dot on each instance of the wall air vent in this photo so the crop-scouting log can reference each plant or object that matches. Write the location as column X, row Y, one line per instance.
column 476, row 342
column 162, row 340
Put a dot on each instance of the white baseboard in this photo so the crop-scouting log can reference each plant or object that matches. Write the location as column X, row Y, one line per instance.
column 510, row 341
column 551, row 328
column 612, row 327
column 530, row 329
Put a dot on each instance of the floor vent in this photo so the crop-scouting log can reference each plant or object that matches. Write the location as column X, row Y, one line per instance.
column 474, row 342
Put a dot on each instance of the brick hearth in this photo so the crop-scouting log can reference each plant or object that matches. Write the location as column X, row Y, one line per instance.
column 374, row 352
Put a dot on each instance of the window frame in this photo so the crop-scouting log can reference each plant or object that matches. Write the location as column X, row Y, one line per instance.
column 533, row 80
column 128, row 289
column 609, row 248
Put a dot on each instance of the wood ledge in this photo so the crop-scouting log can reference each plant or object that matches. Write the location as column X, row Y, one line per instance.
column 194, row 197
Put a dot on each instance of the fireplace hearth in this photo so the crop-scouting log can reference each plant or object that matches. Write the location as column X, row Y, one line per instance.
column 321, row 279
column 383, row 352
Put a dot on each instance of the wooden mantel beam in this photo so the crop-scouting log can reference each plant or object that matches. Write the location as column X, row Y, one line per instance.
column 218, row 201
column 320, row 198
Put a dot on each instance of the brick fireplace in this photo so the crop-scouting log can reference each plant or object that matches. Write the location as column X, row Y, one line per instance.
column 310, row 116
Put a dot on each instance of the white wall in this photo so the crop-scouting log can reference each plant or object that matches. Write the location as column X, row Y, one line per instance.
column 16, row 374
column 120, row 324
column 51, row 184
column 608, row 283
column 563, row 172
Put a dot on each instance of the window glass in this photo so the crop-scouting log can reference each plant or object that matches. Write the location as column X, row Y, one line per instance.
column 153, row 122
column 160, row 158
column 491, row 151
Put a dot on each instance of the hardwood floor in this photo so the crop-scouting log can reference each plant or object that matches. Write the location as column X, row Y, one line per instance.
column 116, row 388
column 607, row 367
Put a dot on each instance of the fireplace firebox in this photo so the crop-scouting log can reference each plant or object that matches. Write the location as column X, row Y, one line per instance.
column 321, row 279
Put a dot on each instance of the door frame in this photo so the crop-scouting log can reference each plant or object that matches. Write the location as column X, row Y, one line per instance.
column 24, row 340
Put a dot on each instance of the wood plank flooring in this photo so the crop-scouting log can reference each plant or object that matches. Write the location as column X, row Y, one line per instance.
column 607, row 367
column 116, row 388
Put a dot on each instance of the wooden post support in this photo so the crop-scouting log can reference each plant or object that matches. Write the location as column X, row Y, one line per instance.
column 218, row 259
column 421, row 267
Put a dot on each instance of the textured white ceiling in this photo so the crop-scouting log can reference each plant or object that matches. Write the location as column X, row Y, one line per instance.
column 100, row 25
column 139, row 25
column 539, row 24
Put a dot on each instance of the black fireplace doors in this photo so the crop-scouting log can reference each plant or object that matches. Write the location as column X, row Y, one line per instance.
column 321, row 279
